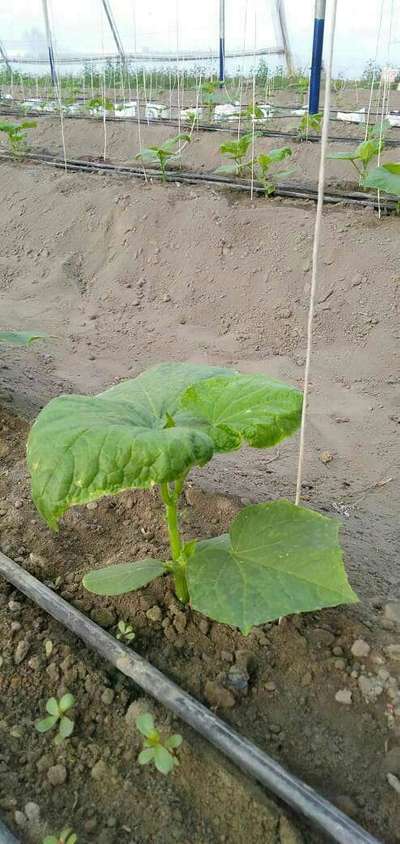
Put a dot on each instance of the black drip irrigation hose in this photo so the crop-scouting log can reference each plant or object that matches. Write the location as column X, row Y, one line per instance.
column 302, row 192
column 6, row 837
column 203, row 127
column 247, row 756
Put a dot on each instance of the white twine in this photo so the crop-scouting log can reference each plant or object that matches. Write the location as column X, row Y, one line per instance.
column 316, row 245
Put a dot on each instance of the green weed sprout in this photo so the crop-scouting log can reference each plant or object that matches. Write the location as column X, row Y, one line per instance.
column 365, row 153
column 265, row 162
column 125, row 632
column 164, row 154
column 151, row 431
column 17, row 136
column 309, row 122
column 57, row 709
column 157, row 750
column 66, row 836
column 236, row 152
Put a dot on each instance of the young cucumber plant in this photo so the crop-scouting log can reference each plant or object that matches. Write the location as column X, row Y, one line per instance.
column 236, row 152
column 264, row 163
column 163, row 154
column 309, row 122
column 17, row 136
column 57, row 709
column 386, row 178
column 157, row 750
column 209, row 97
column 276, row 559
column 366, row 152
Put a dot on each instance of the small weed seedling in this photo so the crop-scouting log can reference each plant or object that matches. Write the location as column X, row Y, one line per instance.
column 236, row 152
column 157, row 750
column 57, row 709
column 163, row 154
column 264, row 164
column 66, row 836
column 309, row 123
column 125, row 632
column 275, row 560
column 17, row 136
column 365, row 153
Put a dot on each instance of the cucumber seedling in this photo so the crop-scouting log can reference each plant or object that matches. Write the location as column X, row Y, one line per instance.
column 57, row 710
column 17, row 136
column 309, row 122
column 209, row 97
column 386, row 177
column 276, row 559
column 164, row 154
column 365, row 153
column 236, row 152
column 156, row 749
column 265, row 162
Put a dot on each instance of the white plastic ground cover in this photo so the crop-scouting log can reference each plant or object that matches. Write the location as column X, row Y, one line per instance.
column 352, row 116
column 127, row 109
column 156, row 110
column 190, row 113
column 227, row 111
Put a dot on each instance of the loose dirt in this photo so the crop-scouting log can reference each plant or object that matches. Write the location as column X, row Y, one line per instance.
column 124, row 275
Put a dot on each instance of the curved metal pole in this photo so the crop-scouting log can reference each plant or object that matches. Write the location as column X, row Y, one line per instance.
column 241, row 751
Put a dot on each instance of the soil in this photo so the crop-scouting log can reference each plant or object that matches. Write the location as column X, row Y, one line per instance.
column 124, row 275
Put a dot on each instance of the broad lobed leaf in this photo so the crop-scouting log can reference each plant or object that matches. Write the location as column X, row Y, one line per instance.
column 386, row 177
column 278, row 559
column 150, row 430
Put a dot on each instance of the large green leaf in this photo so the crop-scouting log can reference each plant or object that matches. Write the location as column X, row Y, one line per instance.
column 21, row 338
column 82, row 447
column 386, row 177
column 252, row 408
column 278, row 559
column 151, row 430
column 123, row 577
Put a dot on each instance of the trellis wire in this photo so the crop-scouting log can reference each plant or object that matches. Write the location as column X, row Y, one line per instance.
column 316, row 245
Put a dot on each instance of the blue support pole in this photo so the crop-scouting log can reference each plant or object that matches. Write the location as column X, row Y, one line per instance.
column 316, row 64
column 221, row 43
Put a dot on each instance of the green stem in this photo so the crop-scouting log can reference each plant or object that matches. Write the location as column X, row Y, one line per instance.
column 170, row 499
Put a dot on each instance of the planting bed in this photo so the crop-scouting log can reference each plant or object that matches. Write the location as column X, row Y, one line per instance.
column 125, row 275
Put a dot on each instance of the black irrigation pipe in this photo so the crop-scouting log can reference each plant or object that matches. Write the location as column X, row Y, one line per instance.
column 246, row 755
column 6, row 837
column 302, row 192
column 202, row 127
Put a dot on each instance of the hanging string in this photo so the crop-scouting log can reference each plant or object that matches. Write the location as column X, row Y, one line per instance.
column 316, row 245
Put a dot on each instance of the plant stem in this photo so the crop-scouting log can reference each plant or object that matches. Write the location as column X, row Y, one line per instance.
column 170, row 499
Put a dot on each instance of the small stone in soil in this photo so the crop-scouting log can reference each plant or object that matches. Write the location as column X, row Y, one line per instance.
column 344, row 696
column 360, row 648
column 103, row 616
column 100, row 772
column 108, row 697
column 393, row 652
column 154, row 613
column 21, row 652
column 57, row 775
column 218, row 696
column 392, row 611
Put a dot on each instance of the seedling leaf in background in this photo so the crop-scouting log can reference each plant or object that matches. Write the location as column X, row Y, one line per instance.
column 163, row 154
column 123, row 577
column 21, row 338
